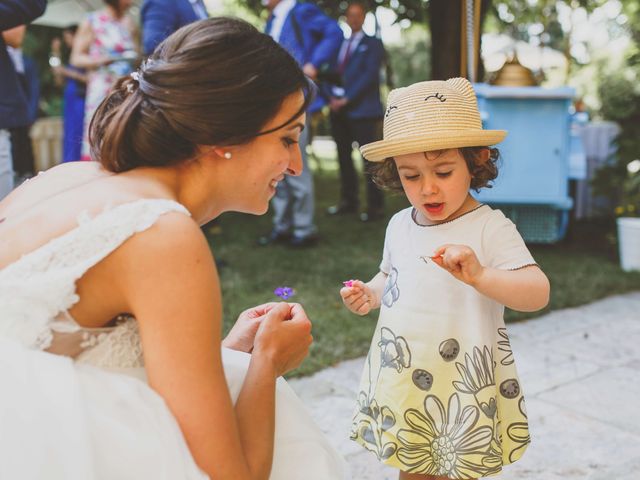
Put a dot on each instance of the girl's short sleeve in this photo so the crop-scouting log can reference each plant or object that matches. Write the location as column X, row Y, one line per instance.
column 504, row 247
column 386, row 263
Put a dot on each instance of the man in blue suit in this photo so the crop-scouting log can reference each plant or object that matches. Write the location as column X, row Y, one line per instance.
column 356, row 111
column 160, row 18
column 13, row 103
column 313, row 39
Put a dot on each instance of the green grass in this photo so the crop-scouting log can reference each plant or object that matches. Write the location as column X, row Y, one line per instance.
column 581, row 270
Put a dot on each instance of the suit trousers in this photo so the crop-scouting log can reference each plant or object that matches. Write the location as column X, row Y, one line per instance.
column 6, row 164
column 345, row 131
column 293, row 204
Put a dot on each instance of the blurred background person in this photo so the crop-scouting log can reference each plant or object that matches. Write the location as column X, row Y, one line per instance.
column 13, row 102
column 106, row 46
column 74, row 81
column 313, row 39
column 27, row 72
column 160, row 18
column 356, row 111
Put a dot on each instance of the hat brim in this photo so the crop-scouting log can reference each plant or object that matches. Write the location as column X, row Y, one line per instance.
column 383, row 149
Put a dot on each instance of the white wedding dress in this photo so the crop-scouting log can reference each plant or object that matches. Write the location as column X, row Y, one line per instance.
column 74, row 403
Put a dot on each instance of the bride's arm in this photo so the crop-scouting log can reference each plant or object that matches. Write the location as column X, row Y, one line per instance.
column 173, row 290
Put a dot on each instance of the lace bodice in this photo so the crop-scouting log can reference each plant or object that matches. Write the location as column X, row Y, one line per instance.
column 37, row 290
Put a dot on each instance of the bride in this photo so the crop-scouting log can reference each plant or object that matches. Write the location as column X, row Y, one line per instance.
column 112, row 363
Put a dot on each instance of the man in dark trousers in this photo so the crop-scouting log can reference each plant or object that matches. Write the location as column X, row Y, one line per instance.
column 313, row 39
column 356, row 111
column 13, row 103
column 160, row 18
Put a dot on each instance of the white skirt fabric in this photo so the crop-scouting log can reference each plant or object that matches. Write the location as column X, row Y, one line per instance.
column 61, row 420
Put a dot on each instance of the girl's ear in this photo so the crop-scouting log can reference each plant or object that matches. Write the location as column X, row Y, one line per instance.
column 483, row 156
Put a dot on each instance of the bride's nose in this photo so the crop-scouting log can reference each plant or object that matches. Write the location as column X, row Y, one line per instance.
column 295, row 164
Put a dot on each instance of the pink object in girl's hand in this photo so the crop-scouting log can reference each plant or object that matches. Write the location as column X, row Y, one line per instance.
column 348, row 283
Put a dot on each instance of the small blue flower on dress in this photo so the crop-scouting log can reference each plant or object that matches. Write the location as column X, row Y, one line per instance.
column 284, row 292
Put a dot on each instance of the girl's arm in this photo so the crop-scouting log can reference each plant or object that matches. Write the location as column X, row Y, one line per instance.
column 178, row 307
column 362, row 297
column 80, row 52
column 526, row 289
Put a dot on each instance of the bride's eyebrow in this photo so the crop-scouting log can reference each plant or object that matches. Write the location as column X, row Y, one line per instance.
column 299, row 125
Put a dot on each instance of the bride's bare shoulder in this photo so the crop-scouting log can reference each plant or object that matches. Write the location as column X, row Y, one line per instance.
column 51, row 182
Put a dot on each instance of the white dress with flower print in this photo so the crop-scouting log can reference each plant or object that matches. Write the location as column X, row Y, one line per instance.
column 440, row 394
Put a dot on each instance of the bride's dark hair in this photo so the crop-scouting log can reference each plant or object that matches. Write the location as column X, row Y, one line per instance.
column 213, row 82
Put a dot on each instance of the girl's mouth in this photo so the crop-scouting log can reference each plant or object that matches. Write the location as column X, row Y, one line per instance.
column 434, row 208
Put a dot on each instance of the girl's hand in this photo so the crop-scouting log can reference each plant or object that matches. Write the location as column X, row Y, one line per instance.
column 359, row 297
column 460, row 261
column 284, row 337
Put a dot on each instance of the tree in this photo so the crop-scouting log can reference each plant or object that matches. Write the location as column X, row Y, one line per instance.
column 540, row 21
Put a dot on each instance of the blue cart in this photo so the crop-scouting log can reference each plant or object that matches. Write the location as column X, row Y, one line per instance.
column 532, row 187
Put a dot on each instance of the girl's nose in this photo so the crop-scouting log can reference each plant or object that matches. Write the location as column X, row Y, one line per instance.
column 429, row 188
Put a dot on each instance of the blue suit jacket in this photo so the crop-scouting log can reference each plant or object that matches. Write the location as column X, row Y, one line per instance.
column 160, row 18
column 13, row 103
column 321, row 40
column 361, row 79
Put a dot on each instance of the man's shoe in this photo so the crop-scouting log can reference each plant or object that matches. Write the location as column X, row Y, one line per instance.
column 274, row 238
column 304, row 242
column 371, row 216
column 342, row 209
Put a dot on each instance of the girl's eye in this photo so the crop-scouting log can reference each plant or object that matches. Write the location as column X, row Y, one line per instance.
column 443, row 174
column 411, row 177
column 287, row 142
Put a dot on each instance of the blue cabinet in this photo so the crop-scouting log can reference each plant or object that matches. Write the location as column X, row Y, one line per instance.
column 532, row 187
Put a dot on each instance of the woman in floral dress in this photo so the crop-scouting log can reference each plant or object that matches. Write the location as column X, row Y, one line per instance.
column 106, row 45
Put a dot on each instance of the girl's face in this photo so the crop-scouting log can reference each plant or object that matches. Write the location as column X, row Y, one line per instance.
column 436, row 183
column 263, row 162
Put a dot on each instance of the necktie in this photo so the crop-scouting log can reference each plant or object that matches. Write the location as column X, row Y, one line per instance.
column 347, row 54
column 269, row 24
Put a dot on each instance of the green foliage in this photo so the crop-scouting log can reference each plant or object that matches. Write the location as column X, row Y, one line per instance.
column 37, row 45
column 410, row 61
column 619, row 91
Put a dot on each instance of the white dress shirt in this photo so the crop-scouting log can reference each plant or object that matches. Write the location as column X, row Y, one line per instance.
column 355, row 39
column 280, row 13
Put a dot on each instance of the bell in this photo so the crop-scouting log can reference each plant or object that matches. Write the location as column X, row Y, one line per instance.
column 513, row 74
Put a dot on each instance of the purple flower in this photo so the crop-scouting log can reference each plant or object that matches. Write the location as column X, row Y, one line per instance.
column 284, row 292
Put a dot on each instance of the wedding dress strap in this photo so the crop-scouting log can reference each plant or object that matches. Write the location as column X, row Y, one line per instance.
column 93, row 238
column 41, row 284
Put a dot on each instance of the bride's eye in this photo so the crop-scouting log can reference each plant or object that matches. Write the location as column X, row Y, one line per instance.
column 287, row 142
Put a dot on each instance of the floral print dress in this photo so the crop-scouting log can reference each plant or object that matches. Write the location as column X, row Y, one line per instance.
column 111, row 37
column 440, row 394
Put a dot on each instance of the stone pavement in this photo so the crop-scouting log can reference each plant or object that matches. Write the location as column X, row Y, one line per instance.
column 580, row 371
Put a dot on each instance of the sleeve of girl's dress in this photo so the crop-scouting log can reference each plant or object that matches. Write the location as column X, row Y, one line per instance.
column 387, row 261
column 505, row 249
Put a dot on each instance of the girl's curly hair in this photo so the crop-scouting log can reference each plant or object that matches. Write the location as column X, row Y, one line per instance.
column 385, row 173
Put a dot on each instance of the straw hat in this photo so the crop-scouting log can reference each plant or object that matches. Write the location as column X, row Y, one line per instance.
column 431, row 116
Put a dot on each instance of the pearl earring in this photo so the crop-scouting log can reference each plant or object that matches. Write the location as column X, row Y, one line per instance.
column 227, row 155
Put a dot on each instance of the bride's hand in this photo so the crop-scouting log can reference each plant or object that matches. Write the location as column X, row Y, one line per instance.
column 284, row 337
column 243, row 333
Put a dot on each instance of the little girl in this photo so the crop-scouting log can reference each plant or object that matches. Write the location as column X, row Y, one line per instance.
column 440, row 396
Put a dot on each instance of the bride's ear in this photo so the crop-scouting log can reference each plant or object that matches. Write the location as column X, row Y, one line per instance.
column 221, row 152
